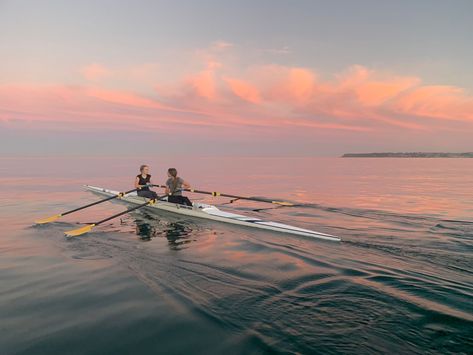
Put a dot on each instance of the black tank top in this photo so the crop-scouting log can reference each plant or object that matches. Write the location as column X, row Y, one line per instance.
column 144, row 181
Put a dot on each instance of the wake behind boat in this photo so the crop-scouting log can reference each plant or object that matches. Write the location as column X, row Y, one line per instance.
column 210, row 212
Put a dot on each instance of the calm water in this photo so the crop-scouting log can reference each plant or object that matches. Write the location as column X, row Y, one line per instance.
column 401, row 280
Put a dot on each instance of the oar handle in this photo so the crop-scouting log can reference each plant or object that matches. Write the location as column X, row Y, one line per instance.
column 163, row 186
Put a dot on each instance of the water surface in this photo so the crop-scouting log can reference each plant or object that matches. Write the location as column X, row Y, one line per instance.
column 401, row 280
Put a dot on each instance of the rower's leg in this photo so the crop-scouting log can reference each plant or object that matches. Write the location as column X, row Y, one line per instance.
column 186, row 201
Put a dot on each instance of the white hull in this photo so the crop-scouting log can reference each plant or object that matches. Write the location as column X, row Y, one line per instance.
column 210, row 212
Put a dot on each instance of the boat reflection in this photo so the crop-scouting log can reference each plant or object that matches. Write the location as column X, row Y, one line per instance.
column 178, row 234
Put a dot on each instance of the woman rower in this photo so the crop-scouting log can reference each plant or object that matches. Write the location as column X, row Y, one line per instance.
column 174, row 186
column 142, row 182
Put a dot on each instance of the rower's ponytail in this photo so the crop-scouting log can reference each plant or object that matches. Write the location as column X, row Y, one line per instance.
column 173, row 173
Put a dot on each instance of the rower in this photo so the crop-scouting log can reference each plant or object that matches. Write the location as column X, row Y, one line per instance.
column 174, row 186
column 143, row 181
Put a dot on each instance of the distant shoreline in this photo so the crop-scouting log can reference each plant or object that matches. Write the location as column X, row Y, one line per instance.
column 408, row 155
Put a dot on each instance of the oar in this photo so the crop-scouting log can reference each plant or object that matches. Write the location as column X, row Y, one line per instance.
column 87, row 228
column 55, row 217
column 281, row 203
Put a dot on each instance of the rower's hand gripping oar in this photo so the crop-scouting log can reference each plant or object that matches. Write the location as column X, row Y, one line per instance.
column 214, row 193
column 57, row 216
column 87, row 228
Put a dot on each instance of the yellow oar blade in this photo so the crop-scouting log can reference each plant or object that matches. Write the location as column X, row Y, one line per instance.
column 282, row 203
column 79, row 231
column 48, row 220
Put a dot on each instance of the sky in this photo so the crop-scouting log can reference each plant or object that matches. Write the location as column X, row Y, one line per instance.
column 235, row 78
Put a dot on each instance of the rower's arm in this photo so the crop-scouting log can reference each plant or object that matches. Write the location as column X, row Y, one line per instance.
column 186, row 185
column 166, row 190
column 137, row 183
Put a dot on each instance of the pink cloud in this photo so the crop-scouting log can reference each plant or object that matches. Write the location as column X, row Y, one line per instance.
column 244, row 90
column 281, row 84
column 75, row 107
column 443, row 102
column 203, row 84
column 269, row 99
column 123, row 98
column 361, row 94
column 371, row 88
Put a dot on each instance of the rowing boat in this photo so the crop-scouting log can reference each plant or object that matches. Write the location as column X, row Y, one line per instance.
column 210, row 212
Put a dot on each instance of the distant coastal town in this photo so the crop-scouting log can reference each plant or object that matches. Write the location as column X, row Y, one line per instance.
column 408, row 155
